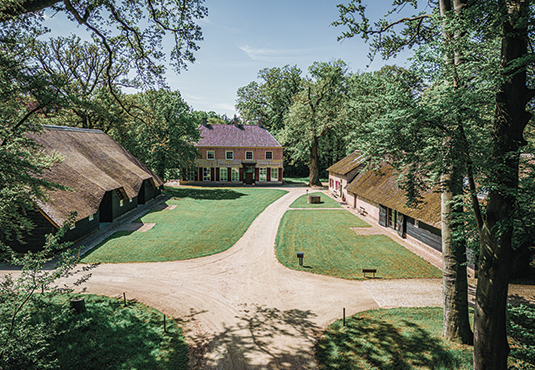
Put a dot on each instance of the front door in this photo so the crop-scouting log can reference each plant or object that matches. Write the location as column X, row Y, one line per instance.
column 249, row 174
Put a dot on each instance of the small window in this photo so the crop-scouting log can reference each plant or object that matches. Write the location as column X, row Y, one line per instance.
column 248, row 156
column 229, row 156
column 210, row 154
column 207, row 174
column 262, row 174
column 72, row 227
column 223, row 174
column 91, row 217
column 269, row 155
column 130, row 200
column 274, row 174
column 121, row 202
column 235, row 174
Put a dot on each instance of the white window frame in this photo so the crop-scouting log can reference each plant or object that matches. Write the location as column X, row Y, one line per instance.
column 231, row 155
column 275, row 171
column 121, row 203
column 270, row 155
column 130, row 200
column 262, row 174
column 72, row 227
column 91, row 217
column 246, row 156
column 223, row 170
column 235, row 174
column 206, row 174
column 212, row 152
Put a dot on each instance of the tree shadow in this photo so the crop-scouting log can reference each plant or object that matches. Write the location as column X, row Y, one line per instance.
column 371, row 343
column 260, row 341
column 205, row 194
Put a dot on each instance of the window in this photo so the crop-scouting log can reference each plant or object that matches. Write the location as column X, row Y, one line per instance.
column 130, row 200
column 223, row 174
column 235, row 174
column 248, row 156
column 189, row 174
column 91, row 217
column 274, row 174
column 72, row 227
column 269, row 155
column 207, row 174
column 121, row 202
column 262, row 174
column 229, row 156
column 210, row 154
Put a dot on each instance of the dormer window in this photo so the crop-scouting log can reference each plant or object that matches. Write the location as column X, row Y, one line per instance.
column 210, row 154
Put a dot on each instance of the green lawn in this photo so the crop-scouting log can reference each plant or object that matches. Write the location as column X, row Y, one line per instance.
column 206, row 221
column 331, row 248
column 326, row 202
column 401, row 338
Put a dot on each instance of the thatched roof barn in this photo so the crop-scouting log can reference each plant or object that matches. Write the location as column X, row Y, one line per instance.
column 105, row 182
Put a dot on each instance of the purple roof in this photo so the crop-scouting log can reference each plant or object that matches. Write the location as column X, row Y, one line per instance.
column 236, row 136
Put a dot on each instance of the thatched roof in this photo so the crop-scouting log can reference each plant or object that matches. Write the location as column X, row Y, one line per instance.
column 347, row 164
column 380, row 186
column 93, row 163
column 236, row 136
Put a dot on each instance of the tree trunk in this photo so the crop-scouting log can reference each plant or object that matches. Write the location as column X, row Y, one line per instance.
column 314, row 173
column 455, row 284
column 491, row 348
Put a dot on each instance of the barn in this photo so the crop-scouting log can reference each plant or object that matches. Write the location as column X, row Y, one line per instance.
column 104, row 180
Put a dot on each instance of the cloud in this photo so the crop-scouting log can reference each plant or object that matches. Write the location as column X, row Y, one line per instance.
column 269, row 55
column 225, row 106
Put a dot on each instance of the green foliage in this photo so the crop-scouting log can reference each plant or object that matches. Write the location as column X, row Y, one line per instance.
column 400, row 338
column 332, row 248
column 205, row 221
column 521, row 329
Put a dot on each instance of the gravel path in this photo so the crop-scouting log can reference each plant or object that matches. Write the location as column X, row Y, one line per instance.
column 243, row 310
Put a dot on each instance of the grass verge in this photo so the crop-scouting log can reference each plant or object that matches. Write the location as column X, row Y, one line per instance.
column 332, row 248
column 206, row 221
column 326, row 202
column 400, row 338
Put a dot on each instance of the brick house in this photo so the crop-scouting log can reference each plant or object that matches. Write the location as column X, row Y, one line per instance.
column 237, row 153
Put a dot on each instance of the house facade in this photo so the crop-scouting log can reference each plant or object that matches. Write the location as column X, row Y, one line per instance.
column 375, row 194
column 342, row 173
column 105, row 182
column 244, row 154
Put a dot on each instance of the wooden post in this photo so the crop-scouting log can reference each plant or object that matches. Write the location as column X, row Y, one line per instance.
column 124, row 298
column 78, row 304
column 164, row 324
column 344, row 318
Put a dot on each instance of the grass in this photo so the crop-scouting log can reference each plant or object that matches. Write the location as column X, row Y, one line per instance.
column 331, row 248
column 326, row 202
column 400, row 338
column 206, row 221
column 111, row 336
column 301, row 180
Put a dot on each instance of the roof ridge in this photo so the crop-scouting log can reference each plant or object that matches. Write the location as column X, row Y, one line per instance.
column 69, row 128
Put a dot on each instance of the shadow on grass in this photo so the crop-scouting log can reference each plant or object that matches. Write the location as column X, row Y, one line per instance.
column 375, row 344
column 116, row 235
column 110, row 336
column 254, row 343
column 204, row 194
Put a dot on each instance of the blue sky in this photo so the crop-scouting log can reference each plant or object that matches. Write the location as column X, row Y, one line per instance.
column 242, row 37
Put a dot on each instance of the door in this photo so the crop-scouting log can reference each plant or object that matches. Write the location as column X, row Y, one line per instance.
column 249, row 175
column 382, row 215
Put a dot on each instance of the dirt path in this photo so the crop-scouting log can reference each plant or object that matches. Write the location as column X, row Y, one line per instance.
column 243, row 310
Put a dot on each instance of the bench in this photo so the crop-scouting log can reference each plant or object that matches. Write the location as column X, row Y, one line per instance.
column 369, row 271
column 362, row 211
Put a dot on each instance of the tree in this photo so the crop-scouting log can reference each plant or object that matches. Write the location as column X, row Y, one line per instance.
column 163, row 133
column 270, row 100
column 508, row 22
column 316, row 111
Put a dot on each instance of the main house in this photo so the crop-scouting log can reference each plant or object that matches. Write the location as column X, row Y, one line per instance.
column 238, row 153
column 105, row 182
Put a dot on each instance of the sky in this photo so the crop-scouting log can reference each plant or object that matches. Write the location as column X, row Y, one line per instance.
column 241, row 37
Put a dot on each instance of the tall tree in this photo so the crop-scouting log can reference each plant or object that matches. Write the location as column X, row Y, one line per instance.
column 316, row 111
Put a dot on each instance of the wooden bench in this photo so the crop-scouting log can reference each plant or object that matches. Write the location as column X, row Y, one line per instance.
column 369, row 271
column 362, row 211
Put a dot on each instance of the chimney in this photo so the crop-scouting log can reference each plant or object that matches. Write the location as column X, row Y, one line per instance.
column 237, row 123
